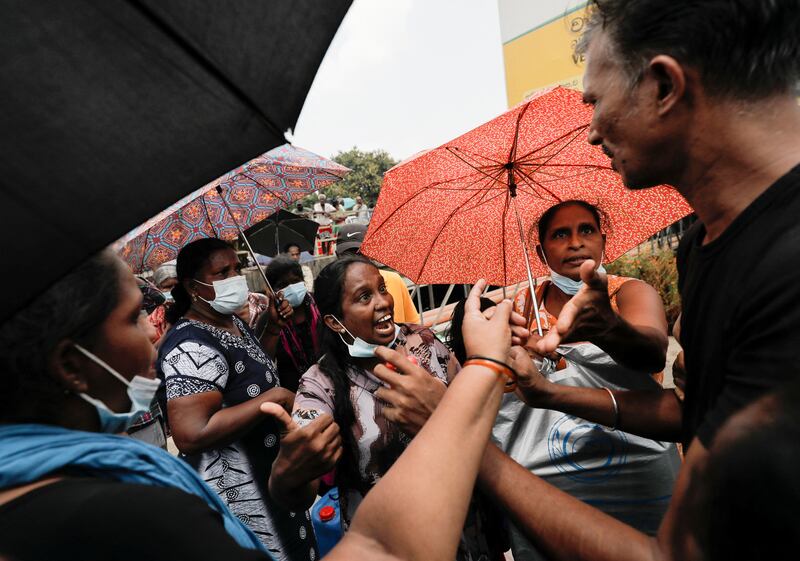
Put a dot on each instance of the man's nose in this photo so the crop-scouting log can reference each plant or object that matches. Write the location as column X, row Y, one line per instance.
column 594, row 137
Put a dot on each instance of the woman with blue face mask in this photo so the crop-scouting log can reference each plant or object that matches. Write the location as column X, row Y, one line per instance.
column 299, row 345
column 621, row 345
column 357, row 310
column 217, row 373
column 77, row 371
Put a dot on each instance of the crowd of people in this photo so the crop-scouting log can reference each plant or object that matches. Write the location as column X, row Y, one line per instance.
column 560, row 446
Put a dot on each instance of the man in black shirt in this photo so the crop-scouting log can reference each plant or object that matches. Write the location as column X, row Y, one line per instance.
column 741, row 299
column 699, row 94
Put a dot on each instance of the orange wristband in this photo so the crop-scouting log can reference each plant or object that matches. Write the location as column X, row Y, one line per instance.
column 498, row 368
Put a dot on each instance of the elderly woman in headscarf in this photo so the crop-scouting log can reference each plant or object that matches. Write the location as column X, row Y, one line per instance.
column 165, row 278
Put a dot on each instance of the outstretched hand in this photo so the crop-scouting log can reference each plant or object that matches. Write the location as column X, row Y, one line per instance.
column 488, row 334
column 584, row 316
column 412, row 393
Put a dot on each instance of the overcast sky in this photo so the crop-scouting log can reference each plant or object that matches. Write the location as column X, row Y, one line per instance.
column 405, row 75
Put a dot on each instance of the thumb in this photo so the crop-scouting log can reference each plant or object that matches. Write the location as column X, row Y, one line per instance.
column 279, row 413
column 590, row 276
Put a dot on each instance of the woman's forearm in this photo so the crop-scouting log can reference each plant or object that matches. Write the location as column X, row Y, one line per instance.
column 655, row 414
column 269, row 341
column 195, row 432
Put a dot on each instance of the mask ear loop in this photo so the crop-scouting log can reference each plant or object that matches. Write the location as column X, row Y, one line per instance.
column 196, row 297
column 347, row 330
column 103, row 364
column 546, row 264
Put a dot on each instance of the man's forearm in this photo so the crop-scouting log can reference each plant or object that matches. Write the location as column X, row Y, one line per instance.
column 558, row 524
column 635, row 347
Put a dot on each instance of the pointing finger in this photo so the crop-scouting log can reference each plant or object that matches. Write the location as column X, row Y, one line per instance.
column 473, row 303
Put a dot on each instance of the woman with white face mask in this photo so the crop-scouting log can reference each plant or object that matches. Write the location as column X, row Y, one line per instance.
column 299, row 345
column 217, row 373
column 619, row 346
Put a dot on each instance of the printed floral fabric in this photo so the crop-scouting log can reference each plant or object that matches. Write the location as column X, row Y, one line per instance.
column 195, row 358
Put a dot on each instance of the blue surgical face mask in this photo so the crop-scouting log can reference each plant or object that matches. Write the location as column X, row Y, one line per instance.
column 295, row 294
column 360, row 348
column 566, row 284
column 141, row 392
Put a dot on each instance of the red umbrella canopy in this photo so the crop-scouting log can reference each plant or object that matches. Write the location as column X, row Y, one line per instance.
column 446, row 215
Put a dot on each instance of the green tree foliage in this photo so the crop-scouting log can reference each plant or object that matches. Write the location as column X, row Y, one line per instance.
column 656, row 269
column 367, row 175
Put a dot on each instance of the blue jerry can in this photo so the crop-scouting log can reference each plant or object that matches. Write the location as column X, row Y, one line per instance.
column 327, row 522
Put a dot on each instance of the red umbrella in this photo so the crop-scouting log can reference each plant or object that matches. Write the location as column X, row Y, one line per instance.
column 468, row 209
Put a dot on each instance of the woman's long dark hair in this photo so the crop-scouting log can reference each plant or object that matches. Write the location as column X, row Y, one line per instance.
column 191, row 259
column 455, row 337
column 328, row 290
column 73, row 308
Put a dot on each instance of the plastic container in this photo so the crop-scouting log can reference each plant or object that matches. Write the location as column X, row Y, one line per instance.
column 327, row 521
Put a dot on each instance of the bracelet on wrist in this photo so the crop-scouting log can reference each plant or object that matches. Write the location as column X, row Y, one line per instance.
column 498, row 367
column 616, row 409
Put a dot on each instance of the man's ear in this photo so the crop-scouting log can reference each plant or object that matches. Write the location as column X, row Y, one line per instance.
column 670, row 78
column 65, row 366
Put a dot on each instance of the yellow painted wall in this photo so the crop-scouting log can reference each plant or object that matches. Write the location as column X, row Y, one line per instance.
column 544, row 56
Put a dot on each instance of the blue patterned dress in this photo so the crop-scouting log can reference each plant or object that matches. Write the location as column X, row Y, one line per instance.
column 196, row 357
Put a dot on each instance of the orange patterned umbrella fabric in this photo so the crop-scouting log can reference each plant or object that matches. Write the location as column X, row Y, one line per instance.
column 446, row 215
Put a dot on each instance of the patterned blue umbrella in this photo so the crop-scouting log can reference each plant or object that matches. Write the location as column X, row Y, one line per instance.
column 252, row 191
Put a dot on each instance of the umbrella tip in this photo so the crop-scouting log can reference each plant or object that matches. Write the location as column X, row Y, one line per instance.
column 219, row 189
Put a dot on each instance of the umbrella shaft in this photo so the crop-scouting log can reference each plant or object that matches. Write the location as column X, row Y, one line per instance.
column 246, row 241
column 531, row 282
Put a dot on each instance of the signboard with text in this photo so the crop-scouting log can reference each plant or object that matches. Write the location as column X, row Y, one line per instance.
column 539, row 39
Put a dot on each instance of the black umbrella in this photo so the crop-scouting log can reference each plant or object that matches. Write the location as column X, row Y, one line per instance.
column 273, row 234
column 115, row 109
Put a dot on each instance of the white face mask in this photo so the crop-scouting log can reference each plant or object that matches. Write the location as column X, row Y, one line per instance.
column 295, row 293
column 141, row 392
column 566, row 284
column 360, row 348
column 230, row 294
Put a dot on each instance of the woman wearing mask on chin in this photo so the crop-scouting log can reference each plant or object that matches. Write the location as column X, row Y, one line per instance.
column 618, row 346
column 299, row 344
column 217, row 374
column 377, row 420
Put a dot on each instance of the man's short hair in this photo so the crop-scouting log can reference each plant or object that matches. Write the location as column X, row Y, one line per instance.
column 742, row 49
